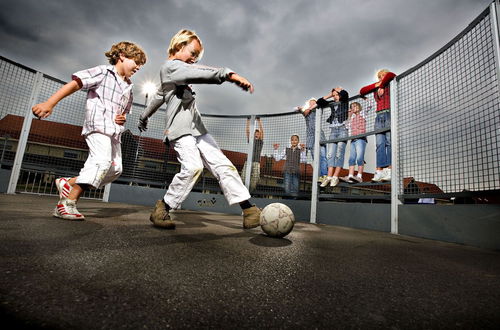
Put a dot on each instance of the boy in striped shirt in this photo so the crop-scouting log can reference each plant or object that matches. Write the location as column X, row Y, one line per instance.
column 109, row 99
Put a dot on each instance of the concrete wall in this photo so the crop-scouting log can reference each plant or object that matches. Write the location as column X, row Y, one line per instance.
column 355, row 215
column 474, row 224
column 4, row 180
column 201, row 202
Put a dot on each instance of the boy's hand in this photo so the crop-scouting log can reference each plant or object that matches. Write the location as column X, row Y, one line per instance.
column 120, row 119
column 42, row 110
column 143, row 124
column 241, row 81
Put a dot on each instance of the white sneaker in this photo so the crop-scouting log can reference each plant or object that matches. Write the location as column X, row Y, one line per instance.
column 347, row 178
column 334, row 181
column 378, row 176
column 63, row 187
column 356, row 179
column 386, row 174
column 325, row 181
column 66, row 209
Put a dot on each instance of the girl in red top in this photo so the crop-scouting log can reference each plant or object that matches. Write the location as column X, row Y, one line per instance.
column 381, row 94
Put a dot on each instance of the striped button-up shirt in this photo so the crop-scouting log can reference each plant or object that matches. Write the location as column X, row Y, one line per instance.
column 108, row 95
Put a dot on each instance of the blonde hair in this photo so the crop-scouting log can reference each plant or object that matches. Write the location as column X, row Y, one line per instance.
column 307, row 105
column 379, row 72
column 181, row 39
column 357, row 104
column 127, row 49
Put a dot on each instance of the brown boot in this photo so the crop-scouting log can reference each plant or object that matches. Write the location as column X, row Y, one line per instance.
column 160, row 217
column 251, row 217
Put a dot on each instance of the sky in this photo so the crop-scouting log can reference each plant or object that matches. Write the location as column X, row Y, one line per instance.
column 290, row 50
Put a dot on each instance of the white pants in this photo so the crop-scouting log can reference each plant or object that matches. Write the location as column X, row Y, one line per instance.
column 104, row 164
column 195, row 152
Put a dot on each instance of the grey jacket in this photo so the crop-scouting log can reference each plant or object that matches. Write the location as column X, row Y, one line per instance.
column 182, row 117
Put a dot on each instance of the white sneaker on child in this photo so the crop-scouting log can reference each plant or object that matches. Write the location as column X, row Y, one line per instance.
column 347, row 178
column 386, row 174
column 356, row 179
column 378, row 176
column 66, row 209
column 334, row 181
column 325, row 181
column 63, row 187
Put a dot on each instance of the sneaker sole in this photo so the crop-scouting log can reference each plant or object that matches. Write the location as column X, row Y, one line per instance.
column 250, row 226
column 67, row 217
column 165, row 224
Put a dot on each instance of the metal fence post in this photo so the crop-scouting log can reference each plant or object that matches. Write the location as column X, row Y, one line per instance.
column 25, row 131
column 494, row 18
column 316, row 160
column 251, row 140
column 396, row 180
column 105, row 195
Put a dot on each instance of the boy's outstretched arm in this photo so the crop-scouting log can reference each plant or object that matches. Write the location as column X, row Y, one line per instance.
column 240, row 81
column 43, row 110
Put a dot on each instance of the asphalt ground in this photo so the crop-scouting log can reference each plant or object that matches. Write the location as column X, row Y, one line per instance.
column 115, row 271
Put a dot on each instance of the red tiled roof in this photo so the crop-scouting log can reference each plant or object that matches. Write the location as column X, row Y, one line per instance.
column 44, row 131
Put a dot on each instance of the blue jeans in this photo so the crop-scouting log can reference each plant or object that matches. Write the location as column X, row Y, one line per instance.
column 323, row 164
column 383, row 140
column 336, row 151
column 291, row 182
column 357, row 156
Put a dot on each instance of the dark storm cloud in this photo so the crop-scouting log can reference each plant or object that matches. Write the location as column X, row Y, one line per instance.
column 290, row 50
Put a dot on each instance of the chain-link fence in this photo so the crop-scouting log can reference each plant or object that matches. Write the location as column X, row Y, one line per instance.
column 448, row 142
column 449, row 118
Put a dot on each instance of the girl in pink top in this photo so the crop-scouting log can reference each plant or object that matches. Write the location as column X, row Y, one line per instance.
column 356, row 123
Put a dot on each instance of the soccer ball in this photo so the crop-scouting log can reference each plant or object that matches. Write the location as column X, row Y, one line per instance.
column 277, row 220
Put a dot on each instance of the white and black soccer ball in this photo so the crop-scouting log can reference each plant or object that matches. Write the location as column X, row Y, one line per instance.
column 277, row 220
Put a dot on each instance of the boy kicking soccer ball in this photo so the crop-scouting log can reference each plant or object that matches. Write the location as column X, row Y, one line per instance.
column 187, row 134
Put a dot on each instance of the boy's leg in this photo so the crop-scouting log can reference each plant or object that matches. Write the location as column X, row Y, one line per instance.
column 91, row 175
column 287, row 182
column 116, row 168
column 229, row 180
column 294, row 184
column 223, row 170
column 183, row 182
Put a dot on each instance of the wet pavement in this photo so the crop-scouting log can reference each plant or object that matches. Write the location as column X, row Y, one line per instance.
column 116, row 271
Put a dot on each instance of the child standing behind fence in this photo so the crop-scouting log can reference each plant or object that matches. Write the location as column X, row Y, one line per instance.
column 294, row 155
column 109, row 99
column 381, row 94
column 356, row 123
column 309, row 113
